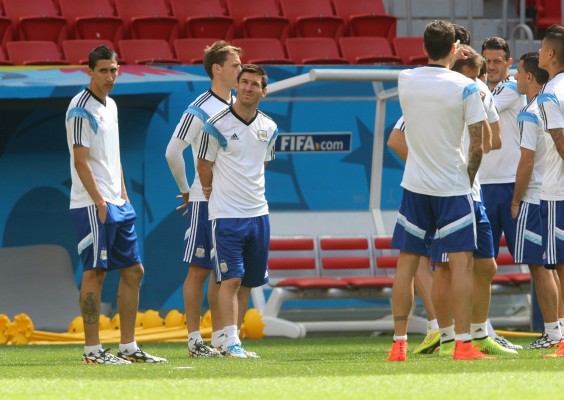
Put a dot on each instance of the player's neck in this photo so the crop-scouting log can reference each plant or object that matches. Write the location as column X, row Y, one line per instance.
column 443, row 62
column 247, row 113
column 221, row 90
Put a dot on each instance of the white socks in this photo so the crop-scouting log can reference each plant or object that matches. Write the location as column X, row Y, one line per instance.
column 128, row 348
column 479, row 331
column 92, row 349
column 447, row 334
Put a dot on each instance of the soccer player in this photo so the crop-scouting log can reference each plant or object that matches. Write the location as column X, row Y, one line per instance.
column 551, row 106
column 525, row 206
column 101, row 212
column 222, row 63
column 437, row 182
column 235, row 146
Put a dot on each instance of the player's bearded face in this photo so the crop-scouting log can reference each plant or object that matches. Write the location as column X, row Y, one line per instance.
column 249, row 89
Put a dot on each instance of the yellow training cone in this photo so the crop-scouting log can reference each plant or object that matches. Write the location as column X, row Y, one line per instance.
column 4, row 323
column 253, row 326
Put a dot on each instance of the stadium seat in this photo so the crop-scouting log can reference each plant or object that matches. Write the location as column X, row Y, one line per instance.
column 92, row 20
column 146, row 51
column 76, row 51
column 36, row 20
column 262, row 51
column 191, row 50
column 410, row 49
column 366, row 18
column 367, row 50
column 6, row 30
column 549, row 12
column 147, row 19
column 258, row 19
column 34, row 52
column 314, row 51
column 202, row 19
column 313, row 18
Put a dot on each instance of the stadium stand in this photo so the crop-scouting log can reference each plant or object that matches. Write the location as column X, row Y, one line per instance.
column 366, row 18
column 410, row 49
column 191, row 50
column 367, row 50
column 34, row 52
column 92, row 20
column 548, row 12
column 3, row 59
column 76, row 51
column 146, row 51
column 5, row 30
column 199, row 19
column 36, row 20
column 262, row 51
column 320, row 50
column 147, row 19
column 313, row 18
column 258, row 18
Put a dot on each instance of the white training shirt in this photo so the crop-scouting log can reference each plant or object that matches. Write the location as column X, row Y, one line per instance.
column 238, row 150
column 188, row 130
column 500, row 166
column 436, row 104
column 551, row 107
column 532, row 138
column 92, row 124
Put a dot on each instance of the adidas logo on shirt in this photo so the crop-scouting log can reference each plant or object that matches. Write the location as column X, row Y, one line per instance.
column 234, row 137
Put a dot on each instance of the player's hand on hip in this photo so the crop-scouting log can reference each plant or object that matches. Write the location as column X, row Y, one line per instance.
column 185, row 197
column 102, row 212
column 207, row 191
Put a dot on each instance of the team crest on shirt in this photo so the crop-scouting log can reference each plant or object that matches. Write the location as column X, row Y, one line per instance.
column 223, row 267
column 262, row 135
column 200, row 252
column 104, row 254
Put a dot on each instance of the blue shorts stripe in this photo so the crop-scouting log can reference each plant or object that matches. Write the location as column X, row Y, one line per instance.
column 552, row 214
column 528, row 235
column 197, row 240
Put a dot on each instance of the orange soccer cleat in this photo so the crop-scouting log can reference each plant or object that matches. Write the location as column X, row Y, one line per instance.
column 467, row 351
column 398, row 351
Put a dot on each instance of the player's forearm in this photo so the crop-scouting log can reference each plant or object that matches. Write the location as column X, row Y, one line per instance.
column 558, row 138
column 123, row 188
column 397, row 143
column 205, row 172
column 487, row 137
column 175, row 160
column 475, row 151
column 86, row 176
column 522, row 179
column 496, row 135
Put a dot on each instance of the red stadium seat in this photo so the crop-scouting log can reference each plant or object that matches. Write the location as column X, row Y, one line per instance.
column 368, row 50
column 312, row 18
column 366, row 18
column 314, row 51
column 549, row 12
column 410, row 49
column 257, row 18
column 262, row 51
column 147, row 19
column 92, row 20
column 36, row 20
column 191, row 50
column 33, row 52
column 76, row 51
column 146, row 51
column 3, row 59
column 202, row 19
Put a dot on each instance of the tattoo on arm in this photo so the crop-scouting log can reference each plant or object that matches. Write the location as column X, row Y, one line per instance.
column 475, row 150
column 89, row 308
column 400, row 318
column 558, row 138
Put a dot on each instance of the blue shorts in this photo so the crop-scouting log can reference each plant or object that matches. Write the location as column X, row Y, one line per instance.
column 110, row 245
column 241, row 249
column 483, row 235
column 197, row 240
column 552, row 214
column 420, row 216
column 497, row 199
column 528, row 235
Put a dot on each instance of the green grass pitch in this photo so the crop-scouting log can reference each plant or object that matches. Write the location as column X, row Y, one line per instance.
column 337, row 366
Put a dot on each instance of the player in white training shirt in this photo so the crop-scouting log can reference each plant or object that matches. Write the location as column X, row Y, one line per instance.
column 437, row 182
column 236, row 144
column 101, row 212
column 222, row 63
column 551, row 106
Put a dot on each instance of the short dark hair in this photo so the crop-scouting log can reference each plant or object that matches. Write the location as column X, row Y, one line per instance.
column 531, row 64
column 101, row 52
column 496, row 43
column 462, row 34
column 554, row 35
column 438, row 39
column 217, row 53
column 254, row 69
column 473, row 59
